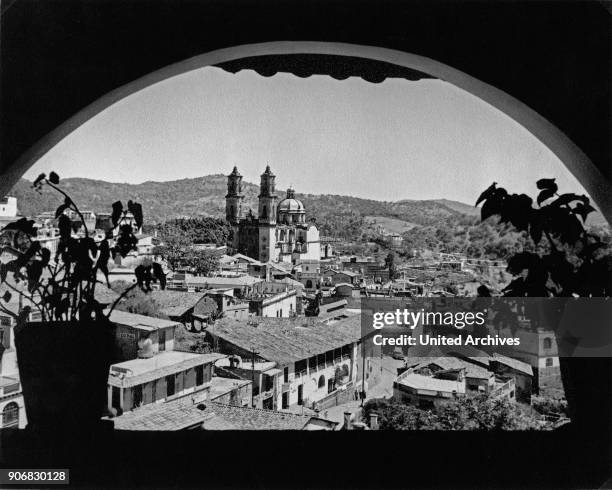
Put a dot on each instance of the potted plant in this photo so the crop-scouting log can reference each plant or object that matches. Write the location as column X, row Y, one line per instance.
column 567, row 264
column 63, row 336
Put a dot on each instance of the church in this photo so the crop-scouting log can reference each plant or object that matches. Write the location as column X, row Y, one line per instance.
column 279, row 233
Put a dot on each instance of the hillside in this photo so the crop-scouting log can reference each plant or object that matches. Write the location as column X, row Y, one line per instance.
column 440, row 224
column 205, row 197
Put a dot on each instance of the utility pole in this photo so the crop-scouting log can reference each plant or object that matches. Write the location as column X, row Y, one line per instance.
column 253, row 353
column 362, row 395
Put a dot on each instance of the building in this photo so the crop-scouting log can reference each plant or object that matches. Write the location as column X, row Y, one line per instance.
column 303, row 362
column 538, row 348
column 434, row 382
column 229, row 391
column 149, row 369
column 369, row 269
column 280, row 305
column 241, row 285
column 12, row 406
column 333, row 277
column 279, row 232
column 178, row 306
column 212, row 415
column 8, row 207
column 310, row 274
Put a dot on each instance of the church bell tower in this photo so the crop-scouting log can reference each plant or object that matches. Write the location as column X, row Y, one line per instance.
column 267, row 217
column 234, row 197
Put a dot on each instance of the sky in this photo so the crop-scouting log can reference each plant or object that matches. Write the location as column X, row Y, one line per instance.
column 390, row 141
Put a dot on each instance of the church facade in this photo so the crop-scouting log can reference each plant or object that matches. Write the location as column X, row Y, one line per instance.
column 279, row 232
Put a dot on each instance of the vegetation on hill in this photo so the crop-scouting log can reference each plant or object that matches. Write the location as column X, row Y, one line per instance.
column 438, row 225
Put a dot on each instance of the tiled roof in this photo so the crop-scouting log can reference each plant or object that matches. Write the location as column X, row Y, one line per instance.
column 246, row 418
column 421, row 382
column 471, row 370
column 221, row 386
column 285, row 340
column 178, row 415
column 513, row 363
column 138, row 371
column 245, row 257
column 135, row 320
column 175, row 303
column 219, row 282
column 170, row 416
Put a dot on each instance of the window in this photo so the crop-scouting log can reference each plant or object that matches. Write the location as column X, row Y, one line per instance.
column 116, row 398
column 10, row 415
column 321, row 381
column 549, row 361
column 285, row 400
column 330, row 385
column 162, row 340
column 547, row 343
column 5, row 321
column 137, row 396
column 199, row 375
column 286, row 375
column 170, row 387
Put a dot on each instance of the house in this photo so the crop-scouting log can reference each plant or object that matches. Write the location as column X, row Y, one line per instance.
column 434, row 382
column 177, row 305
column 229, row 417
column 241, row 285
column 220, row 303
column 281, row 305
column 333, row 277
column 538, row 348
column 230, row 391
column 211, row 415
column 310, row 360
column 369, row 269
column 310, row 274
column 520, row 371
column 165, row 376
column 149, row 370
column 132, row 330
column 12, row 406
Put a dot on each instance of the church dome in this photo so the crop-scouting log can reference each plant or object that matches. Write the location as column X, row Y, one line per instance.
column 290, row 204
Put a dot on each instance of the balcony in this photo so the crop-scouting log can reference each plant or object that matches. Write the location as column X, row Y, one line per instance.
column 9, row 386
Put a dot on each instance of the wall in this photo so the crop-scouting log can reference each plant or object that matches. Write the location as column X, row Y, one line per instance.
column 282, row 305
column 156, row 391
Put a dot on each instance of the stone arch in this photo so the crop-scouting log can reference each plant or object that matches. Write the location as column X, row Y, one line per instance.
column 321, row 381
column 566, row 150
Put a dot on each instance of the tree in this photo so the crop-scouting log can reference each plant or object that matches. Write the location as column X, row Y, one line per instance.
column 390, row 264
column 466, row 413
column 138, row 302
column 179, row 252
column 573, row 260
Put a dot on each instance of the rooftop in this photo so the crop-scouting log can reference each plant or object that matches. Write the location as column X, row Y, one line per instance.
column 221, row 386
column 168, row 416
column 286, row 340
column 175, row 303
column 245, row 258
column 421, row 382
column 229, row 417
column 138, row 371
column 239, row 281
column 447, row 362
column 141, row 322
column 513, row 363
